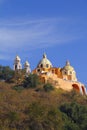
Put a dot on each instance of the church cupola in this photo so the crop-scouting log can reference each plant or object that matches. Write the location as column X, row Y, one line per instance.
column 27, row 67
column 44, row 62
column 17, row 63
column 69, row 71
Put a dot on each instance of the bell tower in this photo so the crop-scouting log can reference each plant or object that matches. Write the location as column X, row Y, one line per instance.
column 17, row 63
column 27, row 67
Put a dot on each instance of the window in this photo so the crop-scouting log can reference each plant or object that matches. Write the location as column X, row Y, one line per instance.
column 41, row 65
column 15, row 66
column 19, row 67
column 52, row 71
column 38, row 70
column 47, row 65
column 70, row 72
column 65, row 72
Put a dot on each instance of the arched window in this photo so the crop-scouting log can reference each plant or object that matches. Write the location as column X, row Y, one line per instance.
column 20, row 67
column 65, row 72
column 47, row 65
column 15, row 66
column 70, row 72
column 41, row 65
column 38, row 70
column 52, row 71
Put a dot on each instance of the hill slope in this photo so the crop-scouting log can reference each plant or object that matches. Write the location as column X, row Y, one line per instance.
column 36, row 109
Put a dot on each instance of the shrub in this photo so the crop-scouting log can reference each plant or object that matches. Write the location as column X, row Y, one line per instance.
column 18, row 88
column 36, row 111
column 31, row 81
column 48, row 87
column 6, row 73
column 77, row 115
column 13, row 116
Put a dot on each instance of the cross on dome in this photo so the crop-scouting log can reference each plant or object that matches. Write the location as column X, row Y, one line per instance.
column 44, row 55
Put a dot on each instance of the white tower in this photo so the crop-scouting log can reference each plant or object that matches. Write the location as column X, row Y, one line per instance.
column 27, row 67
column 17, row 63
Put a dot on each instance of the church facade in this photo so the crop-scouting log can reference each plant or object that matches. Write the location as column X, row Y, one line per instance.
column 64, row 78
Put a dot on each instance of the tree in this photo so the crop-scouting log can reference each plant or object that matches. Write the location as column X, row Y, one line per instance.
column 48, row 87
column 31, row 81
column 77, row 115
column 6, row 73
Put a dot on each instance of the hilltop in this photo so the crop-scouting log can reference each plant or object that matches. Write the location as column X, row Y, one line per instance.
column 61, row 77
column 34, row 108
column 26, row 103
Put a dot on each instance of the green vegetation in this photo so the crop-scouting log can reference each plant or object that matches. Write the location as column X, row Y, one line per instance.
column 48, row 87
column 39, row 110
column 6, row 73
column 77, row 115
column 39, row 107
column 32, row 81
column 18, row 88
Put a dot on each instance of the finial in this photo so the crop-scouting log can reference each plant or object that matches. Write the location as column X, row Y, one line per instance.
column 44, row 55
column 67, row 63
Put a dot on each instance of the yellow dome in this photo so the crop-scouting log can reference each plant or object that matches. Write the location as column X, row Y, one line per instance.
column 44, row 63
column 68, row 67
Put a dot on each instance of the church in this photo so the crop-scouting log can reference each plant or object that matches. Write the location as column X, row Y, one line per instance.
column 64, row 78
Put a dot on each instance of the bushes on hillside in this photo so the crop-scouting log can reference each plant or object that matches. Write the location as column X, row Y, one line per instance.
column 48, row 87
column 44, row 118
column 77, row 115
column 30, row 110
column 32, row 81
column 6, row 73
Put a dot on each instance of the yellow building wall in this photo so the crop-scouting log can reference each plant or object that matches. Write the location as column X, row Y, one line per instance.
column 58, row 80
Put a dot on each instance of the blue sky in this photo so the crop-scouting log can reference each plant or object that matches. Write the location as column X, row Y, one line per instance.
column 58, row 27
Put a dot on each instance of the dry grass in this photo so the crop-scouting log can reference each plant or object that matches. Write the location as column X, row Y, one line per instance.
column 19, row 101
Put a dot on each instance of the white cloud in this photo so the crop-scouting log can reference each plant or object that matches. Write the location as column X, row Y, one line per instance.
column 36, row 33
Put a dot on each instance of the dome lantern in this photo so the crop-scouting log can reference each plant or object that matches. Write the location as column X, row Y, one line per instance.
column 44, row 55
column 67, row 63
